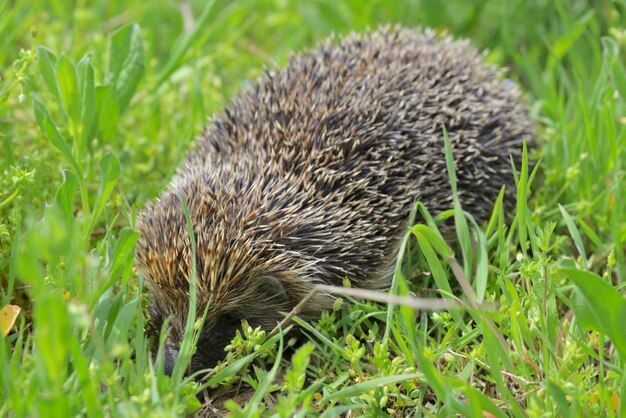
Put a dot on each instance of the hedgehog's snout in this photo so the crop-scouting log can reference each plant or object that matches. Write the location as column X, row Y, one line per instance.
column 170, row 354
column 214, row 338
column 199, row 361
column 210, row 348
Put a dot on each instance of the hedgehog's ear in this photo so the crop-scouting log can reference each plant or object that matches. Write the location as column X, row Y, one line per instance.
column 271, row 287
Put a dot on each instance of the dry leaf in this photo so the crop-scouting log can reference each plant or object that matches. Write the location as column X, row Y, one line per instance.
column 615, row 401
column 8, row 314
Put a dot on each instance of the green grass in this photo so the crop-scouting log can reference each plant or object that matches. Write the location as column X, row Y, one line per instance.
column 99, row 101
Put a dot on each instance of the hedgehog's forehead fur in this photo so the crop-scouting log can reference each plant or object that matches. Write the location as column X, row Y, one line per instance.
column 309, row 175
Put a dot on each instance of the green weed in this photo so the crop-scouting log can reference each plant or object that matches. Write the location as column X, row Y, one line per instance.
column 100, row 101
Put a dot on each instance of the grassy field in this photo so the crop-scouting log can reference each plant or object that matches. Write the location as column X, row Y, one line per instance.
column 100, row 100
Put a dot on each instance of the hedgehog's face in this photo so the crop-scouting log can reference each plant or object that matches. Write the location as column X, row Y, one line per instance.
column 256, row 306
column 214, row 337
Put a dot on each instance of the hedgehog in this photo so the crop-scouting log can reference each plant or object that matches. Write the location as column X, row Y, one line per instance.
column 309, row 175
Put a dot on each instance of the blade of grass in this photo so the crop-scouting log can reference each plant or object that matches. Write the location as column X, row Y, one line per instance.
column 460, row 223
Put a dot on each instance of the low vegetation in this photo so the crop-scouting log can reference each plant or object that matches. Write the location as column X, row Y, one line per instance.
column 99, row 101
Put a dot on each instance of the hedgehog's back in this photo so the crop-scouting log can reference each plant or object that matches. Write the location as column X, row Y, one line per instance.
column 328, row 155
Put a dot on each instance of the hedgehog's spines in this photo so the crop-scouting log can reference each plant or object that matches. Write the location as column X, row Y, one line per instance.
column 309, row 176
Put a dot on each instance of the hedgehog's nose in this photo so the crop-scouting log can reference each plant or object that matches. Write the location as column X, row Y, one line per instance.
column 169, row 359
